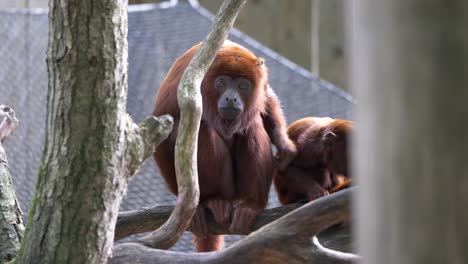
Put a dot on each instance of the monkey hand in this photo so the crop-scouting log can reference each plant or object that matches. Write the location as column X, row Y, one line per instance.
column 243, row 217
column 221, row 210
column 286, row 155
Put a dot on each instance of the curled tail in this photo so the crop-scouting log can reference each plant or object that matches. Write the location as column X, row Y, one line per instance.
column 208, row 243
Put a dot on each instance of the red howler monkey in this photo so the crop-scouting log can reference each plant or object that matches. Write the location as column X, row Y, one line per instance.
column 321, row 164
column 241, row 115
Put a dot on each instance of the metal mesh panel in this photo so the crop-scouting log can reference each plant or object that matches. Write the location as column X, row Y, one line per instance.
column 157, row 35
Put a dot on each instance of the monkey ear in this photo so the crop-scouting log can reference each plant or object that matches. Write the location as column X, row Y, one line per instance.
column 329, row 138
column 260, row 62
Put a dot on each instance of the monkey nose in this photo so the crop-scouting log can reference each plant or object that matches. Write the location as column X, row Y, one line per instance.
column 231, row 99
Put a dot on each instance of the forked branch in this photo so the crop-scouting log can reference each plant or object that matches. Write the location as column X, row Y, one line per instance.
column 290, row 239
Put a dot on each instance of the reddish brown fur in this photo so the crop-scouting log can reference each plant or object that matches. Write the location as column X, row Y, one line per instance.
column 208, row 243
column 321, row 164
column 235, row 162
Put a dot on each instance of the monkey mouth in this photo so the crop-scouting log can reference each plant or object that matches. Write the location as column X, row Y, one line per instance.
column 229, row 113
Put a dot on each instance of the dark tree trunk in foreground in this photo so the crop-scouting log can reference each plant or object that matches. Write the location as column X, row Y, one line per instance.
column 11, row 218
column 91, row 143
column 410, row 61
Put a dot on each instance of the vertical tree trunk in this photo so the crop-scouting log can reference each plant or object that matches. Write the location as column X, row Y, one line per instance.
column 409, row 72
column 80, row 182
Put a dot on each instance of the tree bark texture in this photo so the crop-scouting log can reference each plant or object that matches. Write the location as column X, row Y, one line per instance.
column 409, row 72
column 91, row 144
column 11, row 218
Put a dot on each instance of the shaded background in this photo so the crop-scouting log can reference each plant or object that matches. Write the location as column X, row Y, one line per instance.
column 308, row 32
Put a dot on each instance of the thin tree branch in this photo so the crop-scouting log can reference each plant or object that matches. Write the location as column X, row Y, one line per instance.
column 290, row 239
column 8, row 123
column 190, row 104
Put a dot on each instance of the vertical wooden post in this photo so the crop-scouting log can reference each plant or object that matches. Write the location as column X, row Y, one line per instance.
column 409, row 72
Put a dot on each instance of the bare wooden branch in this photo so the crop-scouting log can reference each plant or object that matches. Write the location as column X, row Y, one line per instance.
column 142, row 139
column 145, row 219
column 290, row 239
column 190, row 104
column 8, row 123
column 11, row 217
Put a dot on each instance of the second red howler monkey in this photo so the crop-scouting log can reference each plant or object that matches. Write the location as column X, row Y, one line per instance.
column 241, row 117
column 321, row 164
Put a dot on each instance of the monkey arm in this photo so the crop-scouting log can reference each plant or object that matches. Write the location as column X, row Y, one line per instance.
column 275, row 126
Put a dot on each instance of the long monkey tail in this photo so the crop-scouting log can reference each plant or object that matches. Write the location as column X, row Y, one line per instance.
column 208, row 243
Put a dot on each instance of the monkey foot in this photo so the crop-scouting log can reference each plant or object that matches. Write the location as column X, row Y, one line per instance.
column 317, row 193
column 221, row 210
column 198, row 225
column 242, row 219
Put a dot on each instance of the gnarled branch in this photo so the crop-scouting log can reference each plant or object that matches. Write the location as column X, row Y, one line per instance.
column 142, row 139
column 290, row 239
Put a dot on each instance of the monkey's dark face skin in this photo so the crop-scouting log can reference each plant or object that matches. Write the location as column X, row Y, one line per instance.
column 232, row 91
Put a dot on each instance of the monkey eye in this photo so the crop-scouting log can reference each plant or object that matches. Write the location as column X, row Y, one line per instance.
column 220, row 83
column 244, row 85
